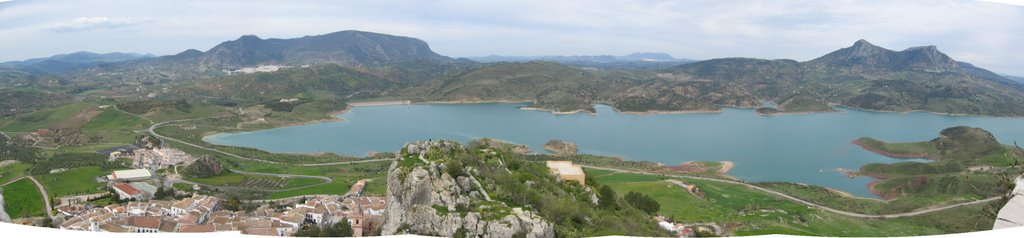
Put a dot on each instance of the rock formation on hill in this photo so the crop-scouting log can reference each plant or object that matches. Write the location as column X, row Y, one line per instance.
column 426, row 201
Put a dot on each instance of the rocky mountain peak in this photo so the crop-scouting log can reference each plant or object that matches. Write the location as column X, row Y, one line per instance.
column 928, row 58
column 862, row 48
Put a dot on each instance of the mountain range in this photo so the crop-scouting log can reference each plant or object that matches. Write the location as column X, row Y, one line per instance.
column 1014, row 78
column 356, row 65
column 640, row 60
column 66, row 62
column 634, row 57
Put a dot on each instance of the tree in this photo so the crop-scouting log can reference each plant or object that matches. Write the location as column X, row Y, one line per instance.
column 643, row 202
column 48, row 222
column 607, row 197
column 164, row 192
column 308, row 231
column 343, row 228
column 233, row 204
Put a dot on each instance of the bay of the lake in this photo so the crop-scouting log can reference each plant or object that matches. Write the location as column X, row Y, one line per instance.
column 802, row 148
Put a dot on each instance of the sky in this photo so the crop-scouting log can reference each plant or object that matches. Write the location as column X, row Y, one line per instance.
column 989, row 34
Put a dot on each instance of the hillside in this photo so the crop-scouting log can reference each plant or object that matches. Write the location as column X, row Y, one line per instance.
column 634, row 61
column 349, row 48
column 969, row 164
column 870, row 77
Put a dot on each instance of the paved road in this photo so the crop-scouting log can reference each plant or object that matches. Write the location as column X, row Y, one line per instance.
column 46, row 198
column 801, row 201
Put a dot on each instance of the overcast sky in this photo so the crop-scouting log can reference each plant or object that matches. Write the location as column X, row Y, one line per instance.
column 990, row 35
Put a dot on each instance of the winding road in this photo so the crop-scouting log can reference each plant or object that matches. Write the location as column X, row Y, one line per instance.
column 808, row 203
column 152, row 131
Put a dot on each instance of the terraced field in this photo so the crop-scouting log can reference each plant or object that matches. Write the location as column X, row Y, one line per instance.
column 256, row 182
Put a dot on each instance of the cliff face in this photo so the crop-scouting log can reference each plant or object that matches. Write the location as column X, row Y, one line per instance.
column 424, row 200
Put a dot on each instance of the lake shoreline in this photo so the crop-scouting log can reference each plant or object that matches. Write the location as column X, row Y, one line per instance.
column 862, row 190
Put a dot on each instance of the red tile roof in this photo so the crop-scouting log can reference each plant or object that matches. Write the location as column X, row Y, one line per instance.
column 128, row 189
column 146, row 222
column 196, row 228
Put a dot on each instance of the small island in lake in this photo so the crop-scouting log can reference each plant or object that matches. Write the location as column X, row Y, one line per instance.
column 561, row 147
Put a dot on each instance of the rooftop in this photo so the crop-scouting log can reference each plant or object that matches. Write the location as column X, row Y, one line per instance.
column 565, row 167
column 145, row 222
column 127, row 189
column 196, row 228
column 132, row 173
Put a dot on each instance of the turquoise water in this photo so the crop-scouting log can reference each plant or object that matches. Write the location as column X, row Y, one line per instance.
column 803, row 148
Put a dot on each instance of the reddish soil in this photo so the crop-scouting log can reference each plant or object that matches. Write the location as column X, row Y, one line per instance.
column 79, row 119
column 893, row 155
column 886, row 196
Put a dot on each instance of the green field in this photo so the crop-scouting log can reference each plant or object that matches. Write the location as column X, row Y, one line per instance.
column 376, row 187
column 22, row 199
column 112, row 119
column 45, row 118
column 755, row 212
column 74, row 181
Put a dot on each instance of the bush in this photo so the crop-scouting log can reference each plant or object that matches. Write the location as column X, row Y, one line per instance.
column 643, row 202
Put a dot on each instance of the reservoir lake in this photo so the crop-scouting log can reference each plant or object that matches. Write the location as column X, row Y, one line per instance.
column 802, row 148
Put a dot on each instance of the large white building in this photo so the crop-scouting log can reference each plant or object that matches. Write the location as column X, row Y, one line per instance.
column 567, row 171
column 130, row 175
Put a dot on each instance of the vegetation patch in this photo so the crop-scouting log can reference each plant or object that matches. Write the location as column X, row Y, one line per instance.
column 22, row 199
column 75, row 181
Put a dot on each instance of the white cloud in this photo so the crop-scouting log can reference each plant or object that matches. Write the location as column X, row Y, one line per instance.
column 92, row 23
column 1010, row 2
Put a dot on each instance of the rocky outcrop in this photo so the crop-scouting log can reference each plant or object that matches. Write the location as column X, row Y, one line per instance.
column 426, row 201
column 204, row 167
column 3, row 214
column 561, row 147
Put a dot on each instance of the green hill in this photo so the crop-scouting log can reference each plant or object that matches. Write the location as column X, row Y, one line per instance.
column 969, row 164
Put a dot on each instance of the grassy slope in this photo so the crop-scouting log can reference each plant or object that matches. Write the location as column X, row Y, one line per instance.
column 22, row 199
column 899, row 148
column 45, row 118
column 111, row 119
